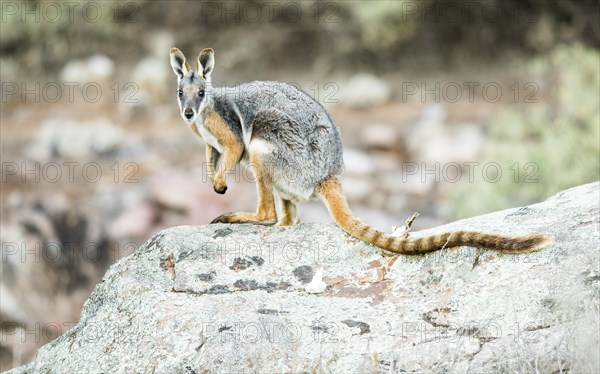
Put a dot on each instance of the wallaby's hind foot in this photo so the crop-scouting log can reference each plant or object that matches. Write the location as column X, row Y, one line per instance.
column 266, row 214
column 243, row 217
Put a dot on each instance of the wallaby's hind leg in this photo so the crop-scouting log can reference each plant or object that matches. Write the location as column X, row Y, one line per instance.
column 289, row 214
column 266, row 213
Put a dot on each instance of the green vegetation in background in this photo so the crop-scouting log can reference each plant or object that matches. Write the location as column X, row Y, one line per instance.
column 560, row 136
column 376, row 35
column 38, row 38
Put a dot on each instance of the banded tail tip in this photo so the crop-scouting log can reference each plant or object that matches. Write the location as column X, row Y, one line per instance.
column 538, row 242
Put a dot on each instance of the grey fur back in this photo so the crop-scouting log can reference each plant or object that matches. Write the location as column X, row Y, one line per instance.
column 306, row 145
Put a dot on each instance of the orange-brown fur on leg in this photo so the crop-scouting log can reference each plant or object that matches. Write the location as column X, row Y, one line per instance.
column 331, row 191
column 232, row 153
column 289, row 214
column 266, row 213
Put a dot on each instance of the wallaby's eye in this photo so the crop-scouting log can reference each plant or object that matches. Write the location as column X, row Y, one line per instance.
column 201, row 93
column 180, row 93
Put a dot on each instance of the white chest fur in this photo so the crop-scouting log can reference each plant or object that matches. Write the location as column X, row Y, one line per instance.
column 208, row 136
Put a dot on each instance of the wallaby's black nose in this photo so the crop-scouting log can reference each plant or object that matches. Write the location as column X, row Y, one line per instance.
column 188, row 113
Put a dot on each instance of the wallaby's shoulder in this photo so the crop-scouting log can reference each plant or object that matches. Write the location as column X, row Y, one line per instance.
column 229, row 112
column 255, row 96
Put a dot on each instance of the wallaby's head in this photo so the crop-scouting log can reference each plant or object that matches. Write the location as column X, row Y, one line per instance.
column 193, row 86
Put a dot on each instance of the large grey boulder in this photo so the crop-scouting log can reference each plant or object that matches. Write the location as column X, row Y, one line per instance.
column 224, row 298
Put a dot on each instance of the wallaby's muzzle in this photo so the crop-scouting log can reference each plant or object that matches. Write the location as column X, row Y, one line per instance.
column 188, row 113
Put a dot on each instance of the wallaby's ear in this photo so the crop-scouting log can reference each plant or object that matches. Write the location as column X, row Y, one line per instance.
column 179, row 63
column 206, row 63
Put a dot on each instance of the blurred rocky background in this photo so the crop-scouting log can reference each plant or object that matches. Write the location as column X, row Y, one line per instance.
column 448, row 108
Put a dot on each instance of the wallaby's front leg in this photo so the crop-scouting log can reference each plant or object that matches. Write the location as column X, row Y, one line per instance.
column 266, row 213
column 232, row 153
column 229, row 159
column 211, row 161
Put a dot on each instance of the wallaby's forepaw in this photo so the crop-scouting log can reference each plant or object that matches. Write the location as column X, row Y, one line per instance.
column 219, row 185
column 220, row 189
column 244, row 218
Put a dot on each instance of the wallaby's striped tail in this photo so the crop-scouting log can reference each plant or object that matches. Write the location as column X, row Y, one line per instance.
column 331, row 192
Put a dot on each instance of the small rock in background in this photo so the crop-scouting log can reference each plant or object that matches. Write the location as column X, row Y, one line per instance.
column 379, row 136
column 174, row 189
column 461, row 143
column 134, row 222
column 111, row 199
column 105, row 135
column 9, row 69
column 151, row 77
column 387, row 161
column 432, row 121
column 432, row 140
column 358, row 181
column 97, row 67
column 67, row 138
column 357, row 188
column 407, row 182
column 186, row 198
column 364, row 90
column 159, row 43
column 151, row 82
column 152, row 72
column 378, row 199
column 358, row 162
